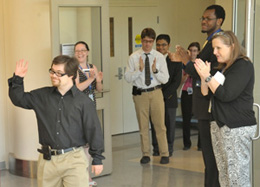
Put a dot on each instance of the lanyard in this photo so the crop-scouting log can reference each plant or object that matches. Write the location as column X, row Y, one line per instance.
column 213, row 34
column 85, row 73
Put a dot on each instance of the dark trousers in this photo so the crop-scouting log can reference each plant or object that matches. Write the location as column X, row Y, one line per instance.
column 186, row 109
column 170, row 121
column 211, row 171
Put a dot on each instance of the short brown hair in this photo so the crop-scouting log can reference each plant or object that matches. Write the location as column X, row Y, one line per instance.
column 70, row 64
column 148, row 32
column 194, row 44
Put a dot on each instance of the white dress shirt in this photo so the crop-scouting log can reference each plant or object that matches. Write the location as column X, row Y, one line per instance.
column 134, row 75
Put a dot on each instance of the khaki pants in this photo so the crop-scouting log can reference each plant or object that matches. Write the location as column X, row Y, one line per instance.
column 68, row 170
column 151, row 104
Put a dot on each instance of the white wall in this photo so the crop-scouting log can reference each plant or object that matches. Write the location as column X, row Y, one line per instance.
column 2, row 91
column 68, row 24
column 75, row 24
column 228, row 6
column 180, row 19
column 25, row 34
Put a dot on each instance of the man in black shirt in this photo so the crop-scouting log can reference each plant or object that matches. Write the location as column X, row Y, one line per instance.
column 211, row 22
column 169, row 91
column 67, row 120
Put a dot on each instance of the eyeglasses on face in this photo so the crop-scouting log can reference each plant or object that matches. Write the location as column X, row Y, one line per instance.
column 80, row 51
column 161, row 45
column 148, row 41
column 57, row 73
column 207, row 19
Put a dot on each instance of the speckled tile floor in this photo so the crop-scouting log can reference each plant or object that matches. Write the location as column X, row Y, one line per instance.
column 185, row 167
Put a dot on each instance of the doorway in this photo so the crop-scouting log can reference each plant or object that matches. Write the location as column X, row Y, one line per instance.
column 126, row 24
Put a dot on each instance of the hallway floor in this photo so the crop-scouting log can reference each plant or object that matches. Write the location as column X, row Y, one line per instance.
column 185, row 167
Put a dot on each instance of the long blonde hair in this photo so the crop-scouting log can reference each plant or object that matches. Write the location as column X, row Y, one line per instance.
column 237, row 51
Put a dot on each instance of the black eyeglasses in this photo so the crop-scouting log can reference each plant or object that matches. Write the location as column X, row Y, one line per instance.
column 206, row 19
column 57, row 73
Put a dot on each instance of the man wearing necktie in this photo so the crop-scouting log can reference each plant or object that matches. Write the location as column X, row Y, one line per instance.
column 147, row 70
column 211, row 22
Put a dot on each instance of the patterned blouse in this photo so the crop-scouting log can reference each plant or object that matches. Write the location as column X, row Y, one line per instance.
column 90, row 90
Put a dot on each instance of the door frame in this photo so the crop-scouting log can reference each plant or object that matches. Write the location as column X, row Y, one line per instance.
column 103, row 103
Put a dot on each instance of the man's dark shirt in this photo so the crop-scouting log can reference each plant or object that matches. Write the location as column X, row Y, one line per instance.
column 200, row 103
column 170, row 88
column 63, row 121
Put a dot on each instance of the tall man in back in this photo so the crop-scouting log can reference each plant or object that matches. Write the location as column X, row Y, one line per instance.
column 147, row 70
column 211, row 22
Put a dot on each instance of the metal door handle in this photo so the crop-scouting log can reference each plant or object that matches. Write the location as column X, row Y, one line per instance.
column 120, row 73
column 258, row 132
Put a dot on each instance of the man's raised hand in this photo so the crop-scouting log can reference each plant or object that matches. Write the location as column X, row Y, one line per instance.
column 21, row 68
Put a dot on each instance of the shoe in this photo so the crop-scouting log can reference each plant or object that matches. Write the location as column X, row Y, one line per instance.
column 186, row 148
column 145, row 160
column 156, row 153
column 170, row 154
column 92, row 183
column 164, row 160
column 199, row 148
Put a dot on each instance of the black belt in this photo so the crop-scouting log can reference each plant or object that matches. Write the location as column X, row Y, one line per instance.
column 151, row 89
column 62, row 151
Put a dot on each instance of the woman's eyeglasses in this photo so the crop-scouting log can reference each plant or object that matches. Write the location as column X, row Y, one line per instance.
column 80, row 51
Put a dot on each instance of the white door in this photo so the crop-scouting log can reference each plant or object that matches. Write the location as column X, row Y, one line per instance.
column 123, row 117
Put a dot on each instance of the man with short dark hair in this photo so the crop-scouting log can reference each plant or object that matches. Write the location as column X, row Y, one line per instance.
column 169, row 94
column 67, row 120
column 211, row 22
column 147, row 70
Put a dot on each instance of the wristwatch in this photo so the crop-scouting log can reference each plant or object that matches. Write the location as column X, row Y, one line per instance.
column 208, row 79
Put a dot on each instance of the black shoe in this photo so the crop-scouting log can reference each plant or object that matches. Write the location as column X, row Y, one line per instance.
column 186, row 148
column 164, row 160
column 156, row 153
column 170, row 154
column 145, row 160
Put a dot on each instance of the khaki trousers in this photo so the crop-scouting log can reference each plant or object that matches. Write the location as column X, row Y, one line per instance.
column 68, row 170
column 151, row 104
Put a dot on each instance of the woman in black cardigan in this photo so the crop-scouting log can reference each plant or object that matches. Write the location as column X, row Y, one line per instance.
column 234, row 122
